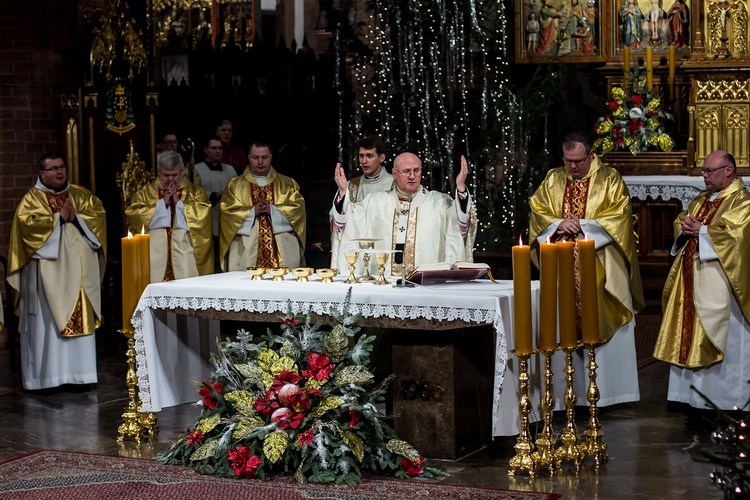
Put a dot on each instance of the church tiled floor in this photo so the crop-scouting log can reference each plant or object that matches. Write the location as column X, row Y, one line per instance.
column 651, row 451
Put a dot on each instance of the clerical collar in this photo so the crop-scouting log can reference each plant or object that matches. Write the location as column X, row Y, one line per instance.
column 216, row 167
column 262, row 180
column 40, row 185
column 374, row 177
column 404, row 196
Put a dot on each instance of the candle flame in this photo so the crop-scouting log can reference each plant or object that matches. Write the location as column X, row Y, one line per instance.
column 548, row 241
column 130, row 235
column 143, row 229
column 520, row 241
column 586, row 237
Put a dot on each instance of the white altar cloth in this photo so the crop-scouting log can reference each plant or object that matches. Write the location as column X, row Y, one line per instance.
column 668, row 187
column 165, row 365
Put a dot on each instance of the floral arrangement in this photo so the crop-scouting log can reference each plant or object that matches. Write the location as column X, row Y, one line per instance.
column 635, row 123
column 298, row 403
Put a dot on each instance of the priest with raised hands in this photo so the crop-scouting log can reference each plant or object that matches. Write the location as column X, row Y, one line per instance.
column 586, row 199
column 56, row 265
column 262, row 217
column 419, row 226
column 177, row 215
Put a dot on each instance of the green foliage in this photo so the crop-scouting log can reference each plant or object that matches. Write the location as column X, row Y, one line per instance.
column 282, row 406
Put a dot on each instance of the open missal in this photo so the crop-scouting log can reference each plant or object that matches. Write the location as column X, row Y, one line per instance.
column 445, row 271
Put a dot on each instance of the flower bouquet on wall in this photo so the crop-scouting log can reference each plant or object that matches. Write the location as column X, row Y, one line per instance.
column 300, row 403
column 635, row 123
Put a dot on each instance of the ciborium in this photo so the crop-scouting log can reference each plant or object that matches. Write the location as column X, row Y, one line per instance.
column 302, row 273
column 278, row 273
column 366, row 245
column 256, row 272
column 326, row 274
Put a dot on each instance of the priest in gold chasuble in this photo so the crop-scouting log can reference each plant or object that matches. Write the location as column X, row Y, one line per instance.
column 178, row 218
column 262, row 217
column 424, row 227
column 706, row 301
column 56, row 265
column 584, row 197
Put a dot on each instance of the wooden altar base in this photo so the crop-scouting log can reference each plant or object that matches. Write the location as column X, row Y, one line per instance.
column 442, row 394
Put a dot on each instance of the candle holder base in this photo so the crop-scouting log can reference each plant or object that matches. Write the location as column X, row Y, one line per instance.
column 544, row 456
column 570, row 449
column 523, row 460
column 136, row 424
column 594, row 444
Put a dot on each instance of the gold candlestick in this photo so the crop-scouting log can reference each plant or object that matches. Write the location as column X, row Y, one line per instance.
column 135, row 423
column 593, row 435
column 570, row 449
column 545, row 456
column 351, row 259
column 524, row 447
column 381, row 258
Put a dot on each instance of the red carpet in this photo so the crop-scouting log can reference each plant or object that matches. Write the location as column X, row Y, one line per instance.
column 81, row 476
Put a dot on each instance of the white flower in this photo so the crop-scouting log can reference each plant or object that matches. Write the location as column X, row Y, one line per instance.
column 635, row 114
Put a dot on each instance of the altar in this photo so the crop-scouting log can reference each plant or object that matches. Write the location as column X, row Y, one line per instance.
column 169, row 356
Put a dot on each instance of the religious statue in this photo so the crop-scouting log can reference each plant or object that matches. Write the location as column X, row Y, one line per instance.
column 549, row 21
column 654, row 25
column 584, row 38
column 532, row 34
column 678, row 17
column 630, row 17
column 719, row 14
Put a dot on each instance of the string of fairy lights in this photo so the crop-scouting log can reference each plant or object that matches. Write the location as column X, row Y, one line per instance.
column 434, row 79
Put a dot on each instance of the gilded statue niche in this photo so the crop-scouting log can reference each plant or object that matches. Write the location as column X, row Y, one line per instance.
column 726, row 26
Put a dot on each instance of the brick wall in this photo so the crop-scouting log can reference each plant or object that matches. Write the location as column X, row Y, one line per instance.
column 37, row 64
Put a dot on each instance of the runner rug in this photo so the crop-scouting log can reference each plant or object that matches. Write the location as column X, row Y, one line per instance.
column 81, row 476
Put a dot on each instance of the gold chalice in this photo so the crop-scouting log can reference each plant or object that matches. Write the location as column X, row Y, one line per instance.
column 381, row 258
column 351, row 259
column 302, row 273
column 256, row 272
column 326, row 274
column 366, row 245
column 278, row 273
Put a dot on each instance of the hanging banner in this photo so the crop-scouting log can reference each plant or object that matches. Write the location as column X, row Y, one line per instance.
column 120, row 117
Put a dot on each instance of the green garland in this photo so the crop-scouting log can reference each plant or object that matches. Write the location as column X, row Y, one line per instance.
column 300, row 403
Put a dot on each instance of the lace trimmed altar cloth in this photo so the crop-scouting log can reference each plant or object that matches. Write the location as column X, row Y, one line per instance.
column 168, row 355
column 668, row 187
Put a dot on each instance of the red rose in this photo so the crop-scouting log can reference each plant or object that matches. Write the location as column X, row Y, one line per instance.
column 209, row 392
column 412, row 468
column 319, row 366
column 637, row 99
column 613, row 105
column 634, row 126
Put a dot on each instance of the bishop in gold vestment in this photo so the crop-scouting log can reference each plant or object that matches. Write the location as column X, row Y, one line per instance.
column 56, row 264
column 704, row 331
column 586, row 197
column 262, row 219
column 177, row 216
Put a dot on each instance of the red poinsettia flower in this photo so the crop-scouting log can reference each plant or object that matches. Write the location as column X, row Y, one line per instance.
column 320, row 366
column 305, row 438
column 412, row 468
column 637, row 99
column 283, row 378
column 652, row 113
column 267, row 404
column 243, row 462
column 296, row 420
column 209, row 391
column 195, row 437
column 635, row 125
column 613, row 105
column 291, row 321
column 353, row 418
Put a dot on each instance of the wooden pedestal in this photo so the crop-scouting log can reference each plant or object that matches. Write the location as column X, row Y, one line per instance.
column 442, row 394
